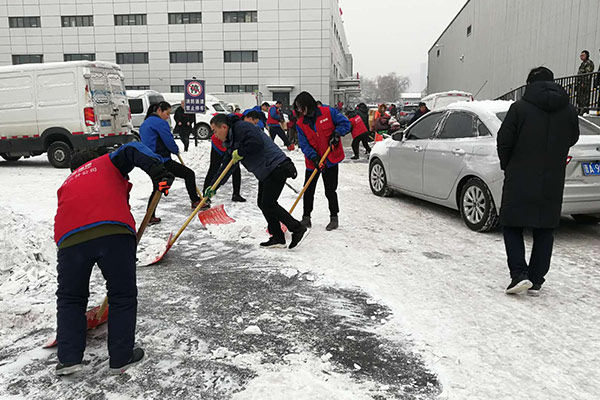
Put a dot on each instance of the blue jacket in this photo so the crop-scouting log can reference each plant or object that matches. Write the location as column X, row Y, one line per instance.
column 262, row 120
column 273, row 113
column 156, row 134
column 342, row 127
column 261, row 154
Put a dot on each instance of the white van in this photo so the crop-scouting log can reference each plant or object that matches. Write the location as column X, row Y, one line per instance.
column 139, row 101
column 213, row 107
column 242, row 100
column 444, row 99
column 61, row 107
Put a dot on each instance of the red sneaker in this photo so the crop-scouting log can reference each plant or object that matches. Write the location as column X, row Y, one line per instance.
column 154, row 221
column 291, row 147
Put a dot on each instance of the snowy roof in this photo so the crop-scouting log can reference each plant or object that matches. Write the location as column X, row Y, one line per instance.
column 57, row 65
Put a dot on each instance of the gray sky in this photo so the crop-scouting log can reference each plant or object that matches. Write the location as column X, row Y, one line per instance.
column 395, row 35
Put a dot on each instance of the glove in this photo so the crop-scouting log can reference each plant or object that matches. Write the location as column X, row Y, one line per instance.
column 334, row 139
column 161, row 178
column 317, row 163
column 236, row 157
column 209, row 192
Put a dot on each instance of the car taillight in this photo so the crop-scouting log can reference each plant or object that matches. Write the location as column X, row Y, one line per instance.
column 402, row 114
column 89, row 116
column 569, row 158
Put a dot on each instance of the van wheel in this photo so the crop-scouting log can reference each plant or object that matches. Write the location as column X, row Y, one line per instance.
column 203, row 132
column 477, row 207
column 59, row 154
column 9, row 158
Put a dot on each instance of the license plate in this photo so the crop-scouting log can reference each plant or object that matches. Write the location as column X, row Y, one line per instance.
column 591, row 168
column 106, row 122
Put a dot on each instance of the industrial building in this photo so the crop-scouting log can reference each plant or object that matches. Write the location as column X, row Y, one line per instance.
column 276, row 47
column 491, row 45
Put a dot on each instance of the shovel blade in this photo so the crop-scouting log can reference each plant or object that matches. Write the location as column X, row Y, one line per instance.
column 164, row 253
column 215, row 216
column 92, row 323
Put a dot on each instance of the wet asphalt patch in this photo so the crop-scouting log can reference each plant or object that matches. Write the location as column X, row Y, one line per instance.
column 191, row 320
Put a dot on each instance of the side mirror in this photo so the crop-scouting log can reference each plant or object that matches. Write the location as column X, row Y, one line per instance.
column 398, row 136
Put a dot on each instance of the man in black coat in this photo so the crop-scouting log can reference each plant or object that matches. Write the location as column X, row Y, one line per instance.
column 363, row 111
column 184, row 126
column 420, row 112
column 533, row 145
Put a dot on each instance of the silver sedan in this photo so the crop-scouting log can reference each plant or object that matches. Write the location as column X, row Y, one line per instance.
column 449, row 157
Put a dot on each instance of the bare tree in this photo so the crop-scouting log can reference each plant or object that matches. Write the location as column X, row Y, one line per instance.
column 384, row 88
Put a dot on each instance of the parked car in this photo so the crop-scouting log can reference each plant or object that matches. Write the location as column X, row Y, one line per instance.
column 56, row 108
column 139, row 101
column 213, row 107
column 440, row 100
column 406, row 113
column 449, row 157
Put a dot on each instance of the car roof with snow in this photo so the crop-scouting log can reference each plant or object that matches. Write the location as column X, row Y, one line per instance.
column 487, row 110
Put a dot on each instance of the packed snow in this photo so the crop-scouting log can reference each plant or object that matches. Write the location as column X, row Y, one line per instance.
column 442, row 283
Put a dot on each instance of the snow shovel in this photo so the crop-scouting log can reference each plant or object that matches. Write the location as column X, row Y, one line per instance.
column 173, row 238
column 99, row 314
column 216, row 215
column 308, row 182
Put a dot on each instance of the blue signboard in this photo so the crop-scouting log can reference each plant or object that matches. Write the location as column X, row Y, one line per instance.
column 194, row 97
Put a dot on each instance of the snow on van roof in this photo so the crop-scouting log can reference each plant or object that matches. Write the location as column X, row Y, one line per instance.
column 57, row 65
column 447, row 93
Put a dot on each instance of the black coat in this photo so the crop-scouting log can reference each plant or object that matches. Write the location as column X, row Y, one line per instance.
column 181, row 116
column 533, row 145
column 363, row 112
column 418, row 114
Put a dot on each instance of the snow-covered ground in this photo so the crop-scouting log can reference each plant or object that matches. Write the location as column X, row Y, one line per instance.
column 441, row 284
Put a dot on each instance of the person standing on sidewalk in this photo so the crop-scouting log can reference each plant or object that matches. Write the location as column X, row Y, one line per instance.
column 318, row 129
column 258, row 154
column 584, row 83
column 156, row 135
column 274, row 121
column 184, row 126
column 94, row 225
column 533, row 145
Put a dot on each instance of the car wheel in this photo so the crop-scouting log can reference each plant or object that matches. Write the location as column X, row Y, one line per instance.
column 477, row 206
column 585, row 219
column 59, row 154
column 378, row 179
column 9, row 158
column 204, row 132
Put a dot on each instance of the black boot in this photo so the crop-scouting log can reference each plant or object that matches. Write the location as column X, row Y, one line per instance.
column 68, row 368
column 297, row 236
column 238, row 198
column 138, row 354
column 333, row 224
column 306, row 222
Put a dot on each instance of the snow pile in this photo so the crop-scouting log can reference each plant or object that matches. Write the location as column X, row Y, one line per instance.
column 27, row 254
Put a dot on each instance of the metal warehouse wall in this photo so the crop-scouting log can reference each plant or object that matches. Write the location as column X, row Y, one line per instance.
column 509, row 37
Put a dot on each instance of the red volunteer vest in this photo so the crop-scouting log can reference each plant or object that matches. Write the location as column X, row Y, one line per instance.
column 358, row 126
column 93, row 194
column 271, row 120
column 319, row 140
column 218, row 143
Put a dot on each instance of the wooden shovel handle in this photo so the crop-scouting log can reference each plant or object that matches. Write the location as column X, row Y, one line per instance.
column 148, row 216
column 312, row 176
column 102, row 308
column 197, row 210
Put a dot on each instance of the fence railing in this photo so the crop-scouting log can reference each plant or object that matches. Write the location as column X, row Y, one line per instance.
column 583, row 90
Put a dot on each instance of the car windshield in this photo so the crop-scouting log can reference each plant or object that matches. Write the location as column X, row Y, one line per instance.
column 587, row 128
column 218, row 107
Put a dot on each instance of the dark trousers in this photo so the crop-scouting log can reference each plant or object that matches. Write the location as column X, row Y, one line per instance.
column 541, row 253
column 293, row 134
column 181, row 171
column 215, row 163
column 364, row 138
column 276, row 130
column 115, row 255
column 184, row 135
column 269, row 191
column 330, row 181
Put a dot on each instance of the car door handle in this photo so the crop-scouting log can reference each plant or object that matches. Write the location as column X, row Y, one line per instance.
column 459, row 152
column 418, row 149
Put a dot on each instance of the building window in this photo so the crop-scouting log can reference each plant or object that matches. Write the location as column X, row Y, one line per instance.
column 241, row 88
column 132, row 58
column 28, row 59
column 185, row 57
column 469, row 30
column 77, row 20
column 185, row 18
column 24, row 22
column 80, row 57
column 130, row 19
column 137, row 87
column 177, row 88
column 240, row 16
column 241, row 56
